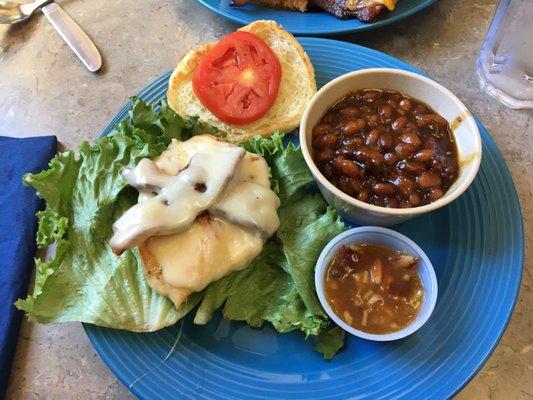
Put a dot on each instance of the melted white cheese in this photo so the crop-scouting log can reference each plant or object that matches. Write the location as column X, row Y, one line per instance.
column 249, row 204
column 193, row 190
column 194, row 251
column 174, row 158
column 146, row 175
column 207, row 251
column 248, row 199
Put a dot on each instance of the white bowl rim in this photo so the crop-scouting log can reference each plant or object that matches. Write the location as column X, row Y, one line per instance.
column 446, row 199
column 322, row 264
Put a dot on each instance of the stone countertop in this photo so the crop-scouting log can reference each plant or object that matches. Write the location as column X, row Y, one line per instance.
column 44, row 89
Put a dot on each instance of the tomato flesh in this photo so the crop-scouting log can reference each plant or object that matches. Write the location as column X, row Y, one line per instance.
column 238, row 80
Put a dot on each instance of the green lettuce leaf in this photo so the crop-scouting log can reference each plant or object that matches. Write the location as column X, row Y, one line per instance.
column 86, row 282
column 307, row 225
column 330, row 342
column 287, row 165
column 287, row 296
column 261, row 292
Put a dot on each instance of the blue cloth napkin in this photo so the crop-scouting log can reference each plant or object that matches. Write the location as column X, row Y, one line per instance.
column 18, row 205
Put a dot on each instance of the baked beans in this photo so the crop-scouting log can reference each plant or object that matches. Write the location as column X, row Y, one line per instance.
column 386, row 149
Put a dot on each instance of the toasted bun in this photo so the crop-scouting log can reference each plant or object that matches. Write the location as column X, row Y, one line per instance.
column 296, row 89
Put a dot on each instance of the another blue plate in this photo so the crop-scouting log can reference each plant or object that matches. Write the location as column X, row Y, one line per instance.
column 312, row 22
column 476, row 245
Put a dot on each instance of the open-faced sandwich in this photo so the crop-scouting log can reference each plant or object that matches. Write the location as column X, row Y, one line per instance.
column 205, row 196
column 197, row 206
column 205, row 209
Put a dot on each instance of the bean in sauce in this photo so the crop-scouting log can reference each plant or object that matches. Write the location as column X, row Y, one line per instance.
column 374, row 288
column 386, row 149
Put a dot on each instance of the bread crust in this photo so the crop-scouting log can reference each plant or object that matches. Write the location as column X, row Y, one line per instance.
column 266, row 125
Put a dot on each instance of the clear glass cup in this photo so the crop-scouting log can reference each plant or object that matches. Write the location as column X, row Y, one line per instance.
column 505, row 63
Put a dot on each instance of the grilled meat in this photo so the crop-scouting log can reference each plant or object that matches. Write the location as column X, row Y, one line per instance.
column 364, row 10
column 298, row 5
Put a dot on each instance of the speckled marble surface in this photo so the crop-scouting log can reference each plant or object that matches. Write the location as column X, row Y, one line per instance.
column 44, row 89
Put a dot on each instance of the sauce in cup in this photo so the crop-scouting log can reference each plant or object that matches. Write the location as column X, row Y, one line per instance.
column 374, row 288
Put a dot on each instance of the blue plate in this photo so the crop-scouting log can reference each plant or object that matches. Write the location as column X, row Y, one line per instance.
column 476, row 245
column 313, row 22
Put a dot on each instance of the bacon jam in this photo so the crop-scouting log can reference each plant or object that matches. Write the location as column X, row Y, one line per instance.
column 374, row 288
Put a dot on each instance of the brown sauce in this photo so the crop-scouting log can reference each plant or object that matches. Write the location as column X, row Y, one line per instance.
column 386, row 149
column 374, row 288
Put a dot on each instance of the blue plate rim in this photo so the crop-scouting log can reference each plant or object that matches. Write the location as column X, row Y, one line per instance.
column 328, row 31
column 154, row 83
column 505, row 325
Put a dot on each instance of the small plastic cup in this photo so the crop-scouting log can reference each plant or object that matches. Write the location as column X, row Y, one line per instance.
column 396, row 241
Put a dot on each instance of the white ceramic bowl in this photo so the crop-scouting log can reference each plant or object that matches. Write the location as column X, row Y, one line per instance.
column 394, row 240
column 415, row 86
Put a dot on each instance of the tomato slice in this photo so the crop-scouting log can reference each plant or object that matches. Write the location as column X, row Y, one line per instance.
column 238, row 80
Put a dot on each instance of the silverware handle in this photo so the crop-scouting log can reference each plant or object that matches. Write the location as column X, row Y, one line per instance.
column 74, row 36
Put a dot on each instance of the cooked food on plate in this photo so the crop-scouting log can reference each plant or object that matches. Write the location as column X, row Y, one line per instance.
column 364, row 10
column 374, row 288
column 386, row 149
column 205, row 209
column 255, row 81
column 200, row 204
column 296, row 5
column 166, row 216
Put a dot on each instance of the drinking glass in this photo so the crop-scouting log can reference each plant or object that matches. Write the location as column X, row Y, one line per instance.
column 505, row 63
